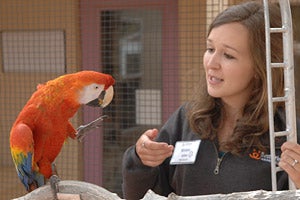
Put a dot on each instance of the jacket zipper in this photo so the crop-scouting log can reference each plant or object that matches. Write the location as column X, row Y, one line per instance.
column 219, row 160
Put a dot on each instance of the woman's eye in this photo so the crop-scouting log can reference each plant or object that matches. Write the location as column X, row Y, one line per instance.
column 210, row 50
column 228, row 56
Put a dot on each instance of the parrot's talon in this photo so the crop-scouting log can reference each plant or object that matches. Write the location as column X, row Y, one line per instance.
column 54, row 180
column 83, row 129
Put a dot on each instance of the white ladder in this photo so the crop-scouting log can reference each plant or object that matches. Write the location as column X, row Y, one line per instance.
column 289, row 87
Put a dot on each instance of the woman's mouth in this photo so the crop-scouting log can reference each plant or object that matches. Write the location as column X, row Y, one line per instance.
column 214, row 80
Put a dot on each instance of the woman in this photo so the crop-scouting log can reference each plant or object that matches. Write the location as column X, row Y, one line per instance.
column 226, row 126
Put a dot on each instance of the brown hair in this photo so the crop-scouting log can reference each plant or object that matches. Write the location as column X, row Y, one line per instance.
column 205, row 113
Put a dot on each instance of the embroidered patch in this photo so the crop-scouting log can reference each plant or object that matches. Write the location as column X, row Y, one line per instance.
column 258, row 155
column 267, row 158
column 255, row 154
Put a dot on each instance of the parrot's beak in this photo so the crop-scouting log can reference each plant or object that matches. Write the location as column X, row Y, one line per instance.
column 104, row 98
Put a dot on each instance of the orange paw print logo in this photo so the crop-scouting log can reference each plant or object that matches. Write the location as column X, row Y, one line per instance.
column 255, row 154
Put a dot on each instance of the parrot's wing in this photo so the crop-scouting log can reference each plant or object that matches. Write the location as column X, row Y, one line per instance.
column 22, row 150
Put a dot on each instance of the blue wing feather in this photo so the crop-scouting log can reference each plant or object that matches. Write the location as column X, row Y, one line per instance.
column 27, row 176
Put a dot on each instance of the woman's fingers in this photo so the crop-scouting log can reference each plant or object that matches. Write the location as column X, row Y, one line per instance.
column 150, row 152
column 289, row 161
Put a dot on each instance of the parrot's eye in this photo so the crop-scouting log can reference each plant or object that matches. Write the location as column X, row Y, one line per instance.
column 96, row 87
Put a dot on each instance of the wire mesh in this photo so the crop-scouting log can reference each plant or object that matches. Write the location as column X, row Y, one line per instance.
column 152, row 48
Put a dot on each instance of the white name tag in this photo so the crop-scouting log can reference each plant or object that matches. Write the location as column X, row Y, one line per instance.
column 185, row 152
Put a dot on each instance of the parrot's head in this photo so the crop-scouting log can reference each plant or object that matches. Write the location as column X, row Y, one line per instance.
column 96, row 88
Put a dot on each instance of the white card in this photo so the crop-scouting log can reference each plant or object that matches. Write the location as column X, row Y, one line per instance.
column 185, row 152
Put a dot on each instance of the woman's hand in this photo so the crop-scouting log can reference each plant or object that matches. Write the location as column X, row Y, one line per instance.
column 150, row 152
column 290, row 161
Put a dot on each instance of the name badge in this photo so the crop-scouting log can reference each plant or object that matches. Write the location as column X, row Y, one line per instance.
column 185, row 152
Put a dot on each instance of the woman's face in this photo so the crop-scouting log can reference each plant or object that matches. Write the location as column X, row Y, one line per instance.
column 228, row 64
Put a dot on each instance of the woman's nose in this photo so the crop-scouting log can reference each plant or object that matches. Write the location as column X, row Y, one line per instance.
column 213, row 60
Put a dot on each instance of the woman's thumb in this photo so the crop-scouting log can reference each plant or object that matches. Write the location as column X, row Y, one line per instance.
column 152, row 133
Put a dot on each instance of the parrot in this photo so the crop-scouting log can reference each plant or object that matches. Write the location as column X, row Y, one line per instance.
column 42, row 126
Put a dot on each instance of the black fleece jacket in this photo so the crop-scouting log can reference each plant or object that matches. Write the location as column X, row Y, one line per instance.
column 236, row 173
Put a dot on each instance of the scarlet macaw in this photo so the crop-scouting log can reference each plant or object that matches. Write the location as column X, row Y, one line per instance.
column 42, row 126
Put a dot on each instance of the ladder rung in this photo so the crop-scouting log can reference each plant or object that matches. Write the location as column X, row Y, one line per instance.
column 279, row 99
column 277, row 30
column 278, row 169
column 281, row 133
column 277, row 65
